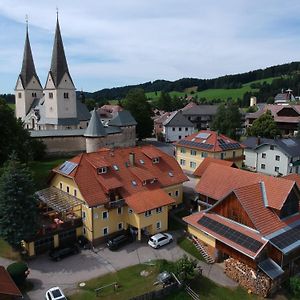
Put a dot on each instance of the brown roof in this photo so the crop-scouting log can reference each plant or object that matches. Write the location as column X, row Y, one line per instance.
column 127, row 179
column 7, row 285
column 218, row 181
column 205, row 163
column 213, row 143
column 295, row 177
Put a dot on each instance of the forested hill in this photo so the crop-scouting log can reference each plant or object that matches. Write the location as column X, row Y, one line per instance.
column 223, row 82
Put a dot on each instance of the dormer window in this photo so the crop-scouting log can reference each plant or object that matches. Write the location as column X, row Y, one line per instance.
column 102, row 170
column 144, row 182
column 155, row 160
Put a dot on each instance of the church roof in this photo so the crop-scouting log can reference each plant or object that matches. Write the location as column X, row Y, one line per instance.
column 28, row 68
column 123, row 118
column 95, row 127
column 59, row 64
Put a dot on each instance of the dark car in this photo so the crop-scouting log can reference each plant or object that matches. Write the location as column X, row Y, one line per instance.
column 118, row 241
column 59, row 253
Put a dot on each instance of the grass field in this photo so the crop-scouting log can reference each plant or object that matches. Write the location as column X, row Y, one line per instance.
column 223, row 94
column 189, row 247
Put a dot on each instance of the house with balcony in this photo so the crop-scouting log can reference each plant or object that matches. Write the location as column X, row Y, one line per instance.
column 252, row 221
column 100, row 194
column 192, row 150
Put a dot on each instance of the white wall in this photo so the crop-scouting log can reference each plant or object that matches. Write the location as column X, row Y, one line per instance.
column 250, row 158
column 177, row 134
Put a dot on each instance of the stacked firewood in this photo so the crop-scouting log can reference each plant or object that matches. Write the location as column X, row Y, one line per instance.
column 255, row 282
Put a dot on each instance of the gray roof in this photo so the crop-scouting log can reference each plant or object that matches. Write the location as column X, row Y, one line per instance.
column 123, row 118
column 177, row 119
column 201, row 110
column 291, row 146
column 28, row 68
column 271, row 268
column 83, row 113
column 56, row 133
column 95, row 127
column 59, row 64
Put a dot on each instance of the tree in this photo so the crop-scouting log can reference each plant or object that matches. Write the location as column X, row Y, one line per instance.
column 90, row 103
column 18, row 207
column 136, row 102
column 228, row 120
column 185, row 268
column 16, row 137
column 264, row 126
column 177, row 103
column 164, row 102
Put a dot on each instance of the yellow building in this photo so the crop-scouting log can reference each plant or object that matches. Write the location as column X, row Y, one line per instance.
column 102, row 193
column 192, row 150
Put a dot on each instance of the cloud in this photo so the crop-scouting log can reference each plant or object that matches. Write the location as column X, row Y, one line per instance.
column 110, row 43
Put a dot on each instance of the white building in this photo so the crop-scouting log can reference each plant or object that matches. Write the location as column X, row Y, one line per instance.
column 53, row 107
column 177, row 127
column 272, row 156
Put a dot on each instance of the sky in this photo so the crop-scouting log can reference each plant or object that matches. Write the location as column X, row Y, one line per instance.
column 121, row 42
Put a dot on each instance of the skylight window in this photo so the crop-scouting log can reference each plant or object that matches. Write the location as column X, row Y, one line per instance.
column 102, row 170
column 171, row 174
column 155, row 160
column 133, row 182
column 116, row 168
column 142, row 162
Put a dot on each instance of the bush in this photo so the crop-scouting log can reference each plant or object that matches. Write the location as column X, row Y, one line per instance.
column 18, row 272
column 295, row 285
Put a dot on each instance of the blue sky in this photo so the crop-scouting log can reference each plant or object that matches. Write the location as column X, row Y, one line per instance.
column 119, row 42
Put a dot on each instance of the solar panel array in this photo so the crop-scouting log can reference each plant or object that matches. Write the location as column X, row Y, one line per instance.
column 195, row 144
column 289, row 142
column 286, row 238
column 67, row 167
column 231, row 234
column 228, row 146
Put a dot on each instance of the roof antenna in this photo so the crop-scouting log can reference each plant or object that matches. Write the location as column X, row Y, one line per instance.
column 56, row 13
column 26, row 20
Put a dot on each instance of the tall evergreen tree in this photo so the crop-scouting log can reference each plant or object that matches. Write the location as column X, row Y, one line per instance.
column 164, row 101
column 18, row 209
column 136, row 102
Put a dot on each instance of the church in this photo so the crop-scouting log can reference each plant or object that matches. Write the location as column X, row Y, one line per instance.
column 54, row 115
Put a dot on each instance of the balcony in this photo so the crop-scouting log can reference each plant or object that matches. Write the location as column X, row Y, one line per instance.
column 115, row 204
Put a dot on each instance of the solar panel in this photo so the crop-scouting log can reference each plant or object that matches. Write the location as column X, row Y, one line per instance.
column 67, row 167
column 286, row 238
column 195, row 144
column 289, row 142
column 203, row 135
column 231, row 234
column 227, row 146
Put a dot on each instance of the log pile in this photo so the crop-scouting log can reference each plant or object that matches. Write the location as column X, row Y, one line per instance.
column 256, row 282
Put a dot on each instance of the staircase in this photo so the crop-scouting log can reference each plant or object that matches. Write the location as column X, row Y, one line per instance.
column 202, row 250
column 192, row 294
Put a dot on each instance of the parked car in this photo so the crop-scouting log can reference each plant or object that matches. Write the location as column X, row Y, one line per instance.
column 119, row 241
column 55, row 293
column 160, row 239
column 59, row 253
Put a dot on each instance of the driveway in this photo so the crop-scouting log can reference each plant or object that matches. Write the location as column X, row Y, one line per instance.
column 68, row 272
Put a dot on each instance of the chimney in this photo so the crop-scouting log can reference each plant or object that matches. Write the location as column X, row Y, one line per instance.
column 258, row 141
column 131, row 159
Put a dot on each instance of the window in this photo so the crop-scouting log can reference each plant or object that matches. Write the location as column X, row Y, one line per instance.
column 130, row 211
column 33, row 95
column 263, row 166
column 182, row 162
column 182, row 150
column 170, row 194
column 75, row 192
column 179, row 128
column 193, row 152
column 203, row 154
column 223, row 155
column 179, row 137
column 186, row 129
column 116, row 168
column 263, row 155
column 50, row 95
column 105, row 215
column 66, row 95
column 105, row 231
column 155, row 160
column 276, row 169
column 83, row 215
column 19, row 95
column 84, row 231
column 158, row 225
column 144, row 182
column 133, row 182
column 148, row 213
column 61, row 185
column 142, row 162
column 277, row 157
column 192, row 165
column 102, row 170
column 272, row 147
column 176, row 193
column 158, row 210
column 120, row 226
column 68, row 189
column 171, row 174
column 233, row 154
column 173, row 128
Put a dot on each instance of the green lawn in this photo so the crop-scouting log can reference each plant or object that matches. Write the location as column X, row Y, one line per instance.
column 41, row 170
column 189, row 247
column 130, row 281
column 7, row 252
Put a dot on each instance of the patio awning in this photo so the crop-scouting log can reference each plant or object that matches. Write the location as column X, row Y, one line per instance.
column 57, row 199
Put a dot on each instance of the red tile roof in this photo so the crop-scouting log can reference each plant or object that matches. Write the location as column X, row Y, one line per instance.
column 194, row 218
column 295, row 177
column 94, row 187
column 214, row 139
column 218, row 181
column 7, row 285
column 147, row 200
column 205, row 163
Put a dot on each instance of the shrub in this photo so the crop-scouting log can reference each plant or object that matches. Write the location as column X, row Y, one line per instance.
column 295, row 285
column 18, row 272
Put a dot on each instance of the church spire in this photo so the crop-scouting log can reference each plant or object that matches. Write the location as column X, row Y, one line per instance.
column 28, row 68
column 59, row 64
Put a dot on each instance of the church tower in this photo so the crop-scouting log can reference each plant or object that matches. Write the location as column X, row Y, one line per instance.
column 28, row 86
column 60, row 92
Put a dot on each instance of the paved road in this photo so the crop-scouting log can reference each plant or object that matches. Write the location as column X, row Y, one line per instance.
column 68, row 272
